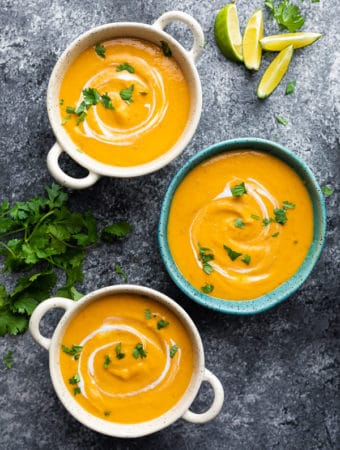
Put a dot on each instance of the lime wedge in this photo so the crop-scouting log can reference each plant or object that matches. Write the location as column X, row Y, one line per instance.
column 275, row 72
column 278, row 42
column 227, row 33
column 252, row 50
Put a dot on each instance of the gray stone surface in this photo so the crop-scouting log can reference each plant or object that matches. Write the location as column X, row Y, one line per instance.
column 280, row 370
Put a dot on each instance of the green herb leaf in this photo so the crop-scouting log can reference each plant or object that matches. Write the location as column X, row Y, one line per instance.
column 280, row 215
column 126, row 94
column 275, row 234
column 173, row 350
column 207, row 288
column 106, row 101
column 290, row 88
column 231, row 253
column 117, row 230
column 327, row 190
column 166, row 49
column 75, row 379
column 139, row 352
column 8, row 359
column 91, row 97
column 281, row 120
column 118, row 350
column 239, row 223
column 255, row 217
column 238, row 190
column 125, row 66
column 70, row 110
column 100, row 50
column 286, row 14
column 266, row 221
column 162, row 324
column 205, row 257
column 76, row 391
column 288, row 205
column 148, row 314
column 120, row 271
column 246, row 259
column 74, row 351
column 107, row 361
column 65, row 120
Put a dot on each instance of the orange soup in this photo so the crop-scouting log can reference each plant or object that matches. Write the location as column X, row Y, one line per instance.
column 126, row 358
column 240, row 224
column 124, row 102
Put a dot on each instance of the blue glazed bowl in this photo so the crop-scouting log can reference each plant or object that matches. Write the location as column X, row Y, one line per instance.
column 272, row 298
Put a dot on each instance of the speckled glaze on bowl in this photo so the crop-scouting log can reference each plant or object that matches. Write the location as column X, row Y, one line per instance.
column 286, row 289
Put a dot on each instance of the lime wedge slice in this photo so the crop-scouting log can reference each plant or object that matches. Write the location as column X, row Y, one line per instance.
column 227, row 33
column 278, row 42
column 252, row 50
column 275, row 72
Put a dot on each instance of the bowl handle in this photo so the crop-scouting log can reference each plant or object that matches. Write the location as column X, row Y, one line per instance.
column 62, row 177
column 217, row 403
column 40, row 311
column 195, row 27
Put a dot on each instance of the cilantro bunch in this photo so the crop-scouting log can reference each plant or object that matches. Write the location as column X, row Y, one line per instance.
column 43, row 238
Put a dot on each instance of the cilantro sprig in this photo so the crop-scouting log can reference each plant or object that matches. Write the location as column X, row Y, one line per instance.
column 205, row 259
column 44, row 241
column 139, row 351
column 286, row 14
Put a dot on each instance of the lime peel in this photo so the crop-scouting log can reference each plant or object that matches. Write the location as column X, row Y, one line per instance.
column 278, row 42
column 252, row 51
column 227, row 32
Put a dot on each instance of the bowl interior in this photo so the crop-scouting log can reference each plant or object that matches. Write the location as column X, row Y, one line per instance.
column 287, row 288
column 117, row 429
column 111, row 31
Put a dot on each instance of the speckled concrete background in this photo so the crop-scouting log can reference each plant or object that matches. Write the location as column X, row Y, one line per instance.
column 280, row 369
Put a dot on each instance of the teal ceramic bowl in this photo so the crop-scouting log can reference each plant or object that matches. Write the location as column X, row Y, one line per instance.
column 286, row 289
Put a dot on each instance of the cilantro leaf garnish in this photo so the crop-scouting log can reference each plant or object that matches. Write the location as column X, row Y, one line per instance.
column 125, row 66
column 148, row 314
column 288, row 205
column 239, row 223
column 8, row 359
column 118, row 350
column 126, row 94
column 116, row 230
column 139, row 352
column 106, row 101
column 107, row 361
column 275, row 234
column 205, row 257
column 166, row 49
column 91, row 97
column 173, row 350
column 207, row 288
column 327, row 190
column 231, row 253
column 119, row 271
column 162, row 324
column 74, row 351
column 246, row 259
column 266, row 221
column 238, row 190
column 76, row 391
column 290, row 88
column 281, row 120
column 280, row 215
column 255, row 217
column 100, row 50
column 286, row 14
column 75, row 379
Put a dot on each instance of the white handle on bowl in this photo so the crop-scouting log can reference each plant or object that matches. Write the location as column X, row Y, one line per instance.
column 195, row 27
column 62, row 177
column 38, row 314
column 217, row 403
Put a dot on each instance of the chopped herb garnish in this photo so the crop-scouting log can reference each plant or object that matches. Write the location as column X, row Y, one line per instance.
column 238, row 190
column 286, row 14
column 148, row 314
column 116, row 230
column 65, row 120
column 107, row 102
column 246, row 259
column 61, row 102
column 107, row 413
column 139, row 352
column 275, row 234
column 119, row 271
column 255, row 217
column 231, row 253
column 281, row 120
column 205, row 257
column 165, row 48
column 107, row 361
column 76, row 390
column 81, row 117
column 327, row 190
column 91, row 97
column 290, row 88
column 162, row 324
column 100, row 50
column 125, row 66
column 118, row 350
column 239, row 223
column 280, row 215
column 74, row 351
column 75, row 379
column 8, row 359
column 126, row 94
column 207, row 288
column 70, row 110
column 173, row 350
column 266, row 221
column 288, row 205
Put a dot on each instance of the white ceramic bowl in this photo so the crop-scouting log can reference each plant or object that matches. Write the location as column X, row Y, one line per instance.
column 153, row 33
column 181, row 409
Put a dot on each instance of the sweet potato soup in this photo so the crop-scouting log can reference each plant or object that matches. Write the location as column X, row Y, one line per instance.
column 126, row 358
column 240, row 224
column 124, row 102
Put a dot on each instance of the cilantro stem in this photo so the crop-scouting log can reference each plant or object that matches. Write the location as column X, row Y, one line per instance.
column 63, row 242
column 12, row 232
column 40, row 222
column 8, row 249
